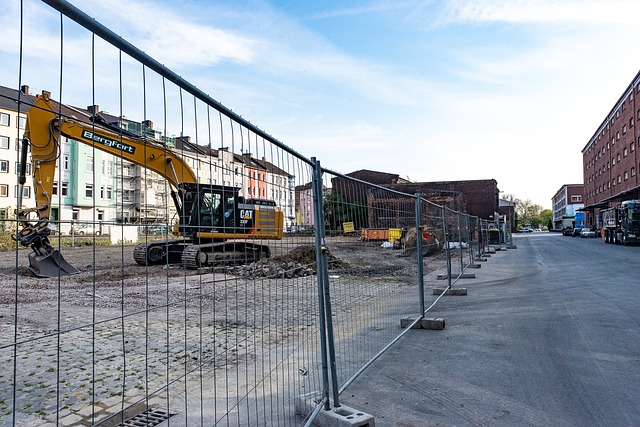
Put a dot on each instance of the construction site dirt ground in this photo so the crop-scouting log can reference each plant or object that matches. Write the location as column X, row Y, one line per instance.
column 111, row 267
column 111, row 285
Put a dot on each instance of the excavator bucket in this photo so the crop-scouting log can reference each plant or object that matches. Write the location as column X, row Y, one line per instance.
column 51, row 264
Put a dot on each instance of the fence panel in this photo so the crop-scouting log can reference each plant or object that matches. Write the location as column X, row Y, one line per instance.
column 231, row 344
column 372, row 233
column 133, row 177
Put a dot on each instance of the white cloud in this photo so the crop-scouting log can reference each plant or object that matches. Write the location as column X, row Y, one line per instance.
column 541, row 11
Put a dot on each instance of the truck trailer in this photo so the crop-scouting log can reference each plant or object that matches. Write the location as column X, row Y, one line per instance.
column 621, row 223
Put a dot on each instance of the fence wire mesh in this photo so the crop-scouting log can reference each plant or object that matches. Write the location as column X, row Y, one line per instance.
column 312, row 271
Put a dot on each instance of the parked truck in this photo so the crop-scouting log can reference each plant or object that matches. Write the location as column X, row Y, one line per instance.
column 621, row 223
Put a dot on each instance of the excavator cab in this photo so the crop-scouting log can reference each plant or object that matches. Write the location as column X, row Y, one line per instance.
column 210, row 211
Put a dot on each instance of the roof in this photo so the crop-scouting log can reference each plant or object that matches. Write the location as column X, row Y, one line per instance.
column 378, row 178
column 9, row 100
column 263, row 164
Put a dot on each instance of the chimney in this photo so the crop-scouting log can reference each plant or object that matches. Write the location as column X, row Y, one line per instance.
column 93, row 109
column 148, row 124
column 24, row 89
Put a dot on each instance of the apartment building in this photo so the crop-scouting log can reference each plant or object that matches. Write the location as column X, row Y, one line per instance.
column 264, row 180
column 95, row 187
column 13, row 107
column 610, row 157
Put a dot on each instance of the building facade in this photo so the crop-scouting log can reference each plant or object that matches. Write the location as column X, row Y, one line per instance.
column 610, row 157
column 13, row 107
column 567, row 201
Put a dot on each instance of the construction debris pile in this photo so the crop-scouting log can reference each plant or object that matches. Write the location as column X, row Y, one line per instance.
column 299, row 262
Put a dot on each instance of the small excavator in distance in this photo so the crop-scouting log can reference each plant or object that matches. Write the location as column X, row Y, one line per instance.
column 215, row 224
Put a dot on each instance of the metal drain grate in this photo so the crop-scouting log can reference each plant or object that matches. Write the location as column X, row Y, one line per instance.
column 149, row 418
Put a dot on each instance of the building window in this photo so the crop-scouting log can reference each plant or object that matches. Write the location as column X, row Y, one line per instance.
column 624, row 152
column 4, row 190
column 617, row 135
column 65, row 162
column 633, row 171
column 105, row 192
column 4, row 119
column 632, row 146
column 4, row 166
column 89, row 164
column 576, row 199
column 22, row 121
column 613, row 161
column 618, row 156
column 619, row 180
column 626, row 175
column 64, row 190
column 27, row 169
column 88, row 190
column 75, row 214
column 54, row 190
column 4, row 142
column 26, row 191
column 624, row 129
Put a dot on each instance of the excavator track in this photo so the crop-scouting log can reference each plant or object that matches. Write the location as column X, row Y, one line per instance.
column 156, row 253
column 228, row 253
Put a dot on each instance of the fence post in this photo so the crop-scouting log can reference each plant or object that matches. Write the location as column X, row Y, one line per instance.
column 510, row 234
column 419, row 251
column 446, row 246
column 460, row 244
column 480, row 237
column 470, row 238
column 324, row 295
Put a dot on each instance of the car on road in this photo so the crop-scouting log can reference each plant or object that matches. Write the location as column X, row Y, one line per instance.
column 567, row 231
column 87, row 229
column 587, row 232
column 525, row 230
column 576, row 232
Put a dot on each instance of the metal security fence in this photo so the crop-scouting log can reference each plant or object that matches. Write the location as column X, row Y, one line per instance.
column 217, row 277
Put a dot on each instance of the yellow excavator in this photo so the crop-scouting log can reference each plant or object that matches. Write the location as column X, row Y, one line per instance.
column 215, row 223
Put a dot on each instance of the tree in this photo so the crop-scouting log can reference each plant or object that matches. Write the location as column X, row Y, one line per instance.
column 527, row 212
column 547, row 218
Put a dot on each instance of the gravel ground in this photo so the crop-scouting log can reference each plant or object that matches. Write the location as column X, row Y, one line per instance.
column 154, row 316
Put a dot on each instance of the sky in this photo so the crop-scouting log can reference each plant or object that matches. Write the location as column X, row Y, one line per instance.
column 430, row 90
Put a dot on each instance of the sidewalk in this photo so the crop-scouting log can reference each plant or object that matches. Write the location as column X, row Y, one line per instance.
column 454, row 376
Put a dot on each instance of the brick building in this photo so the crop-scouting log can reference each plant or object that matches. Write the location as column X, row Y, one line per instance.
column 610, row 158
column 480, row 197
column 475, row 197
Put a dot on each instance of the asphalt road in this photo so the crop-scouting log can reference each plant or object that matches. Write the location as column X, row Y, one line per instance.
column 549, row 334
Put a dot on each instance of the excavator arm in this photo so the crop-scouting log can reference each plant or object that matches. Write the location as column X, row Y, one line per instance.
column 43, row 131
